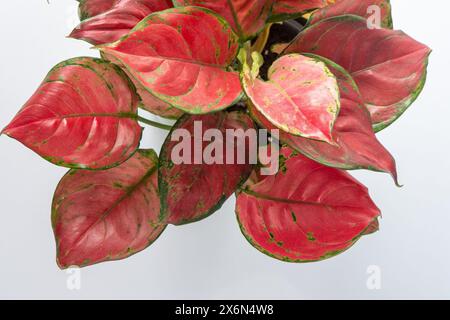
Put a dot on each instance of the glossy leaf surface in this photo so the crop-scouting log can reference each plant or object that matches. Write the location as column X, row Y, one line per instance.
column 83, row 115
column 307, row 212
column 389, row 79
column 197, row 187
column 148, row 101
column 107, row 215
column 116, row 21
column 301, row 96
column 181, row 55
column 362, row 8
column 246, row 17
column 356, row 146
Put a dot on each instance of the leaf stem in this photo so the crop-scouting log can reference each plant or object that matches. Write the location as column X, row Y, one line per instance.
column 154, row 123
column 261, row 41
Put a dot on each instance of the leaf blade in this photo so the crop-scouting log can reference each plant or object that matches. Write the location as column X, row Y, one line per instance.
column 302, row 103
column 359, row 8
column 176, row 60
column 99, row 216
column 291, row 9
column 309, row 222
column 356, row 146
column 88, row 100
column 110, row 21
column 389, row 80
column 246, row 17
column 193, row 190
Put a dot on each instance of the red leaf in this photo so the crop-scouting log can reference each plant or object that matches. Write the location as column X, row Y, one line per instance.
column 180, row 56
column 246, row 17
column 290, row 9
column 90, row 8
column 389, row 79
column 148, row 101
column 357, row 8
column 110, row 20
column 82, row 116
column 107, row 215
column 191, row 192
column 356, row 146
column 301, row 96
column 155, row 105
column 307, row 212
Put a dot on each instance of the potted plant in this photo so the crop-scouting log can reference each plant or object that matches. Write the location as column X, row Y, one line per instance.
column 323, row 76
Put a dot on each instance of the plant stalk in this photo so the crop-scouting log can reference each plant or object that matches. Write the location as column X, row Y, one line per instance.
column 154, row 123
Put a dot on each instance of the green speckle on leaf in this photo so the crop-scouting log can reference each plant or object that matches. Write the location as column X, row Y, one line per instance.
column 310, row 236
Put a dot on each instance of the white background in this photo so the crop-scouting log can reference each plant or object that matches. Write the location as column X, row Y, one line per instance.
column 211, row 259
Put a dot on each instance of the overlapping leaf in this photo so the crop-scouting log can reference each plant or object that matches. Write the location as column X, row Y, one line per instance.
column 246, row 17
column 388, row 66
column 107, row 215
column 307, row 212
column 196, row 181
column 361, row 8
column 356, row 146
column 156, row 106
column 110, row 23
column 289, row 9
column 148, row 101
column 301, row 96
column 83, row 115
column 181, row 56
column 90, row 8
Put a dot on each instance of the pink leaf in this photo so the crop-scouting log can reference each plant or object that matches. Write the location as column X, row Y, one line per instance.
column 246, row 17
column 191, row 191
column 149, row 102
column 181, row 56
column 389, row 79
column 301, row 96
column 110, row 20
column 83, row 115
column 107, row 215
column 360, row 8
column 307, row 212
column 356, row 146
column 290, row 9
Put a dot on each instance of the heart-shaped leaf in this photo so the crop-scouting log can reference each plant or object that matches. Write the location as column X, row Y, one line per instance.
column 197, row 186
column 246, row 17
column 114, row 19
column 361, row 8
column 301, row 96
column 291, row 9
column 107, row 215
column 389, row 79
column 181, row 56
column 83, row 115
column 307, row 212
column 356, row 146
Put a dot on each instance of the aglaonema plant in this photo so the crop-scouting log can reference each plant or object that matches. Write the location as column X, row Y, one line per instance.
column 344, row 77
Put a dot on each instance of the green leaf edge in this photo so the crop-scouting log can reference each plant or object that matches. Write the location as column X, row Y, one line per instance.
column 388, row 23
column 163, row 185
column 72, row 61
column 244, row 86
column 143, row 22
column 328, row 255
column 148, row 153
column 407, row 102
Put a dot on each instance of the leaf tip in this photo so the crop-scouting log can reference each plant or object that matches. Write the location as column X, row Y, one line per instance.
column 394, row 176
